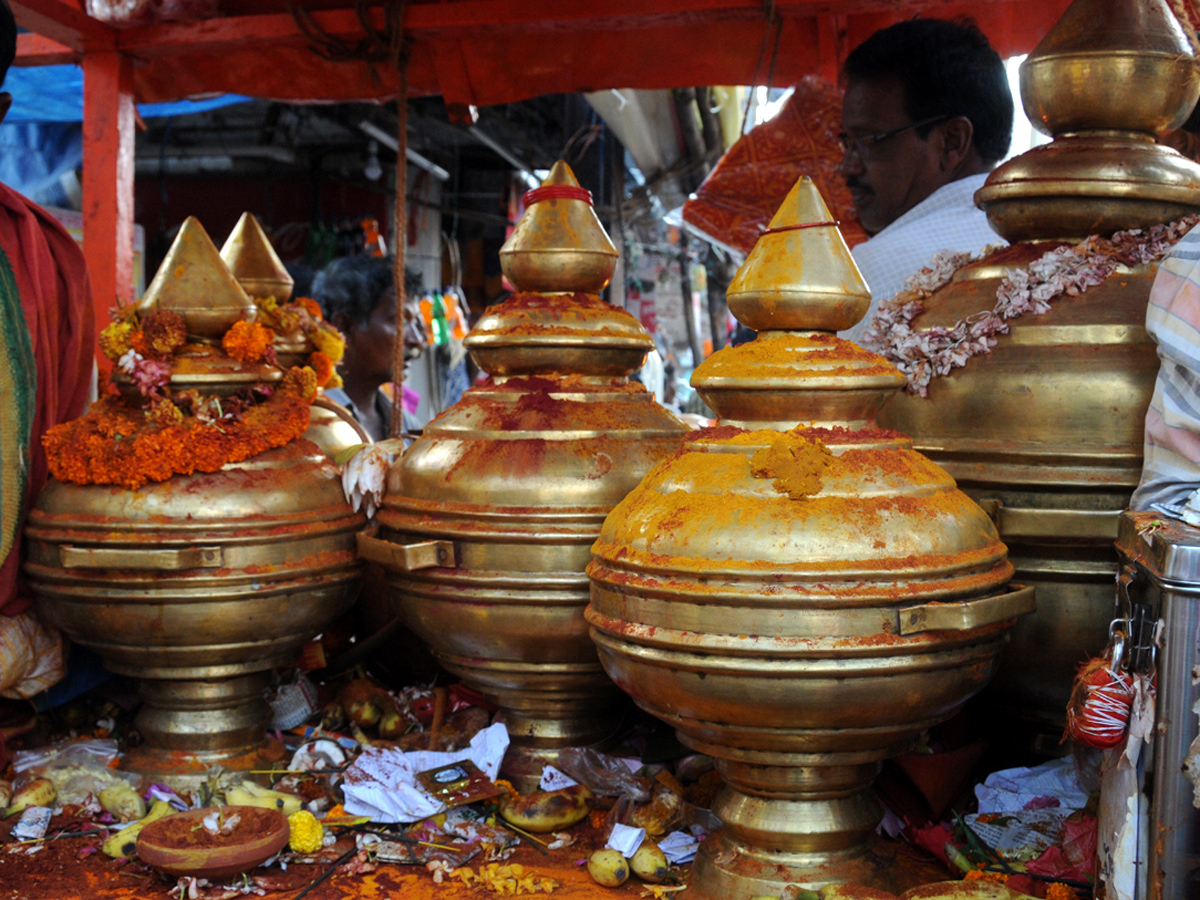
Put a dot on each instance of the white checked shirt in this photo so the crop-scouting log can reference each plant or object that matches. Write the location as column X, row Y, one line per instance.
column 1171, row 470
column 945, row 220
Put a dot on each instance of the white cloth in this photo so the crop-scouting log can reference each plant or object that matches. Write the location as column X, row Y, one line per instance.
column 945, row 220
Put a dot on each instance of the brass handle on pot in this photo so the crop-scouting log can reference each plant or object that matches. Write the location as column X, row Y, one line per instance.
column 405, row 557
column 968, row 614
column 158, row 559
column 1072, row 524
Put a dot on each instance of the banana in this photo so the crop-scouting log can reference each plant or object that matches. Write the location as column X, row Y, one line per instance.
column 251, row 794
column 547, row 811
column 123, row 802
column 608, row 867
column 123, row 844
column 649, row 863
column 39, row 792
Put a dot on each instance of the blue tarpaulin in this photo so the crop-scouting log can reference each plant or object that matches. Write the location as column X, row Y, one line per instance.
column 41, row 138
column 55, row 94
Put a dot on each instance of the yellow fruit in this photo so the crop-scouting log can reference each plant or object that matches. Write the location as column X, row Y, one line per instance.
column 39, row 792
column 251, row 794
column 123, row 802
column 123, row 844
column 546, row 811
column 306, row 834
column 608, row 867
column 649, row 863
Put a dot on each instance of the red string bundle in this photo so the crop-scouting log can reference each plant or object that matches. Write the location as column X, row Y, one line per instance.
column 1099, row 709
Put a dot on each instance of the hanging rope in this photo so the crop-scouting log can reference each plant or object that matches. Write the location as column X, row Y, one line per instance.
column 401, row 49
column 774, row 22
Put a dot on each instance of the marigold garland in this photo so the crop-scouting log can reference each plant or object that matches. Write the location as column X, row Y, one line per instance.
column 120, row 442
column 923, row 354
column 115, row 444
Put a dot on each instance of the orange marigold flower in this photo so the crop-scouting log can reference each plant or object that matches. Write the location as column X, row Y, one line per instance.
column 309, row 304
column 165, row 332
column 980, row 875
column 1059, row 891
column 323, row 366
column 247, row 341
column 114, row 340
column 163, row 413
column 328, row 341
column 300, row 381
column 137, row 340
column 276, row 316
column 116, row 444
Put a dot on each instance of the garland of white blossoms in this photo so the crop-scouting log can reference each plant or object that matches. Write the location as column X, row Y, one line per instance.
column 925, row 354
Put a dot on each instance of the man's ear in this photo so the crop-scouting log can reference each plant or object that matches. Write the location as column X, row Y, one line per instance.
column 957, row 146
column 5, row 104
column 342, row 323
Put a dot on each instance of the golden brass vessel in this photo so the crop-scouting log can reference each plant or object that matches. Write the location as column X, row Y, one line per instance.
column 198, row 585
column 258, row 270
column 1107, row 78
column 1045, row 430
column 801, row 599
column 488, row 516
column 254, row 263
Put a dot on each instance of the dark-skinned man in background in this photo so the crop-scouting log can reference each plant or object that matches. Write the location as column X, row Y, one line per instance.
column 927, row 114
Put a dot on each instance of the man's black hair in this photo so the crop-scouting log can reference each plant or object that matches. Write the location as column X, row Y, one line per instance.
column 8, row 39
column 946, row 69
column 354, row 285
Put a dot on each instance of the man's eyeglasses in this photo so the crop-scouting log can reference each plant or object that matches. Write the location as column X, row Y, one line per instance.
column 861, row 146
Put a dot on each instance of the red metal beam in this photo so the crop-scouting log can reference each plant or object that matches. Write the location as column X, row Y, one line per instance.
column 108, row 126
column 63, row 21
column 36, row 50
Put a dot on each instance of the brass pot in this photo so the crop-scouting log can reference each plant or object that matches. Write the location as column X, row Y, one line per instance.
column 1045, row 431
column 515, row 480
column 800, row 600
column 793, row 640
column 488, row 517
column 198, row 586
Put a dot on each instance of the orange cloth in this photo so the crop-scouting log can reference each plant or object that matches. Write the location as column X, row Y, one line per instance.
column 56, row 299
column 743, row 191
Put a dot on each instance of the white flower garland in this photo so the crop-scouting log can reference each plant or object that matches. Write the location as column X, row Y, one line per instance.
column 923, row 355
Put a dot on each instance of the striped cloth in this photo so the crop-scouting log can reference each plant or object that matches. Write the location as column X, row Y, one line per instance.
column 1171, row 470
column 945, row 220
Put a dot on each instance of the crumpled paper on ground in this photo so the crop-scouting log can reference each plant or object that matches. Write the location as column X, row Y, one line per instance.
column 1013, row 790
column 679, row 847
column 381, row 784
column 1034, row 803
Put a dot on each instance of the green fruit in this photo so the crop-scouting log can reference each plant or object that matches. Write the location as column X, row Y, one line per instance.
column 608, row 867
column 649, row 863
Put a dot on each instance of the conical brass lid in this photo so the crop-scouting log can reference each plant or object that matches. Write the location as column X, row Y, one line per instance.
column 1107, row 78
column 559, row 245
column 827, row 293
column 797, row 287
column 1111, row 64
column 254, row 262
column 194, row 281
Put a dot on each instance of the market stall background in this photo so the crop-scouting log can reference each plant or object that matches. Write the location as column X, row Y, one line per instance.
column 470, row 52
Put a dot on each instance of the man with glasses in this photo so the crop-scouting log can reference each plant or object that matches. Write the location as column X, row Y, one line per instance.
column 926, row 115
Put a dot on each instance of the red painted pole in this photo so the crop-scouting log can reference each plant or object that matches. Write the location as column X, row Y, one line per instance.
column 108, row 132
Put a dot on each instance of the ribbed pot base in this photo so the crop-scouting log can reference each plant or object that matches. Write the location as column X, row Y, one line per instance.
column 726, row 869
column 186, row 770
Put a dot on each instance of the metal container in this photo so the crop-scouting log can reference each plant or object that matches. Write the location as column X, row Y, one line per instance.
column 488, row 516
column 1045, row 431
column 801, row 600
column 1161, row 557
column 199, row 585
